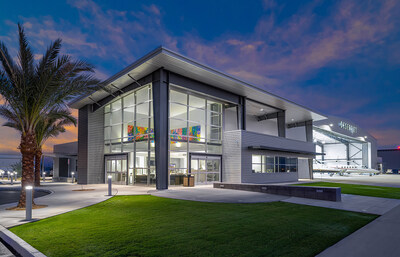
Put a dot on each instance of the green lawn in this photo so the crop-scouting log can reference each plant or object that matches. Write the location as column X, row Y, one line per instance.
column 376, row 191
column 153, row 226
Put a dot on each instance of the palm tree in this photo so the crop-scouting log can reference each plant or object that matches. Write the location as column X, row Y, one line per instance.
column 50, row 126
column 33, row 89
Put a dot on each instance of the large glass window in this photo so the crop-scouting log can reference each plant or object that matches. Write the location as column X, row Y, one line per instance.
column 270, row 164
column 195, row 126
column 129, row 128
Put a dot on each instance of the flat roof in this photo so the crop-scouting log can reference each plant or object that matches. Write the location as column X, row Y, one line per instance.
column 182, row 65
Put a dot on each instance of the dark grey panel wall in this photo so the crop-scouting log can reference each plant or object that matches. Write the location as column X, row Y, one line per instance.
column 160, row 107
column 390, row 159
column 96, row 147
column 63, row 167
column 83, row 145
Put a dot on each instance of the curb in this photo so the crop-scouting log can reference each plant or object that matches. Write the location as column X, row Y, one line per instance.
column 20, row 246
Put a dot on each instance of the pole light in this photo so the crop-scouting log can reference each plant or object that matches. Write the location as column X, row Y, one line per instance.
column 44, row 176
column 73, row 177
column 109, row 186
column 12, row 178
column 28, row 202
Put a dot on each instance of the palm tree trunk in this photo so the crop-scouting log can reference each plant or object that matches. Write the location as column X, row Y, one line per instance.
column 27, row 148
column 38, row 158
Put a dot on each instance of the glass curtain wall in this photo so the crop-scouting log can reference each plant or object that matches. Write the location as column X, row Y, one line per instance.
column 129, row 128
column 195, row 126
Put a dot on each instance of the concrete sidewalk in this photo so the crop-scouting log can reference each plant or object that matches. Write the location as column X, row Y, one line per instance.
column 216, row 195
column 357, row 203
column 64, row 199
column 378, row 238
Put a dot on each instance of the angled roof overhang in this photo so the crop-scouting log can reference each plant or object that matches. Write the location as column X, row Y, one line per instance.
column 283, row 150
column 174, row 62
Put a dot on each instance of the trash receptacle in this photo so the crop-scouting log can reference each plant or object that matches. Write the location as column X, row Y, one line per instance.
column 188, row 181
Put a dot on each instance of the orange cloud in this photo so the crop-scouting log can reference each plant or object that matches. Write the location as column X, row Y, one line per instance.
column 10, row 138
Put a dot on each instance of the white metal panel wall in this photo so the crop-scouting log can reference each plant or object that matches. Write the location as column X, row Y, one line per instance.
column 230, row 117
column 232, row 155
column 303, row 168
column 254, row 139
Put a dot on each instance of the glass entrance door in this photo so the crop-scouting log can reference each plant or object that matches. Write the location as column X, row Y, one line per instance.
column 117, row 168
column 205, row 168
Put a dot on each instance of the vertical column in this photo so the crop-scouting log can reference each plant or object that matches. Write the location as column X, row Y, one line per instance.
column 241, row 113
column 309, row 130
column 160, row 109
column 83, row 145
column 348, row 153
column 309, row 138
column 281, row 124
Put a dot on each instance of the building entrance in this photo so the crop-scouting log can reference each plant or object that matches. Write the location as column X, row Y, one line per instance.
column 116, row 166
column 206, row 169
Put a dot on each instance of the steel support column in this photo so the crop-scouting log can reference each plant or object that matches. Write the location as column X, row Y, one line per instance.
column 281, row 124
column 241, row 112
column 160, row 90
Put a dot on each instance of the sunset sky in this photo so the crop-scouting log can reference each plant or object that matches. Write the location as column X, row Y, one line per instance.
column 337, row 57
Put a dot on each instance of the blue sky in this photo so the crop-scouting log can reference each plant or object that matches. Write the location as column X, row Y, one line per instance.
column 337, row 57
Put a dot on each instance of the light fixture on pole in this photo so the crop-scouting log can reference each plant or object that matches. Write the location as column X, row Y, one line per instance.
column 28, row 202
column 109, row 186
column 12, row 178
column 73, row 177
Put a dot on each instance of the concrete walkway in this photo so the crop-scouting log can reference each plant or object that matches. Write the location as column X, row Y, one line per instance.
column 357, row 203
column 378, row 238
column 64, row 199
column 210, row 194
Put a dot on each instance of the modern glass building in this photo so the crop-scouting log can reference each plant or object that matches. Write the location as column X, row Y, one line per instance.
column 167, row 116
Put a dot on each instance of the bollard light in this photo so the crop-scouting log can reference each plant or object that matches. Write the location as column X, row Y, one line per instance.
column 12, row 178
column 16, row 175
column 109, row 186
column 28, row 202
column 73, row 176
column 44, row 176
